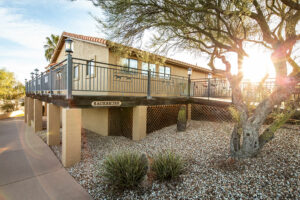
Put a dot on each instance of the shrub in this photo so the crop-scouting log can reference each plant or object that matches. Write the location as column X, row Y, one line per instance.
column 125, row 169
column 167, row 166
column 8, row 107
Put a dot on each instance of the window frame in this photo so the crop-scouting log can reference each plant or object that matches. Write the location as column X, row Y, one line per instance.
column 145, row 71
column 126, row 66
column 46, row 79
column 74, row 73
column 164, row 74
column 88, row 72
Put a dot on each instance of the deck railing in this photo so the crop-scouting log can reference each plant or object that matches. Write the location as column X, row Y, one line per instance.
column 103, row 79
column 80, row 77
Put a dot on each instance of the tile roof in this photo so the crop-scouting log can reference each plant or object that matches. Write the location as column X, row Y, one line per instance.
column 86, row 38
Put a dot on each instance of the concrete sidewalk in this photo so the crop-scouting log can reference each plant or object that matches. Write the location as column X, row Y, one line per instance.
column 29, row 169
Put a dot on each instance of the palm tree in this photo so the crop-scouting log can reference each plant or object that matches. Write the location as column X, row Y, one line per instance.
column 50, row 46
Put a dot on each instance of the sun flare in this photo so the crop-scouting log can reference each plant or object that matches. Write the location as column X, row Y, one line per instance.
column 256, row 66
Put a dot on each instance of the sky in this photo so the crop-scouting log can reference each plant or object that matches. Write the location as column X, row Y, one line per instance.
column 24, row 25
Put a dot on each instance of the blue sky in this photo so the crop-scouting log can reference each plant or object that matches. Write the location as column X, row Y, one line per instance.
column 24, row 25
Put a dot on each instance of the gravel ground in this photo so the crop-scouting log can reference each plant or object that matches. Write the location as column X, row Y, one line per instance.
column 273, row 174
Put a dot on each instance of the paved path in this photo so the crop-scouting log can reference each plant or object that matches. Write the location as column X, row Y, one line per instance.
column 29, row 169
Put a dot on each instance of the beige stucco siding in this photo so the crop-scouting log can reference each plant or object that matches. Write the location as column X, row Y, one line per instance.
column 86, row 50
column 95, row 120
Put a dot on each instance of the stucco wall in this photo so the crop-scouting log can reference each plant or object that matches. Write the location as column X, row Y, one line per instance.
column 96, row 120
column 86, row 50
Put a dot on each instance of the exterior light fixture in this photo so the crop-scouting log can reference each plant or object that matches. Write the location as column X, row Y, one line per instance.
column 189, row 71
column 69, row 45
column 32, row 74
column 36, row 71
column 209, row 75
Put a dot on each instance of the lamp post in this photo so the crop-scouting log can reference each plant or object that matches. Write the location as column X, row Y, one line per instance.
column 189, row 81
column 68, row 48
column 36, row 79
column 32, row 83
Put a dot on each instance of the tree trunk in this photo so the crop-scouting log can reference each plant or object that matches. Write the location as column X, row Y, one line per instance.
column 250, row 145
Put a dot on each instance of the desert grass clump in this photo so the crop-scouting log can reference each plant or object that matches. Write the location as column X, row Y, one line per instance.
column 125, row 170
column 167, row 166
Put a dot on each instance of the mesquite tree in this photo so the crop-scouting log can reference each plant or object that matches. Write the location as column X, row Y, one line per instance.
column 218, row 28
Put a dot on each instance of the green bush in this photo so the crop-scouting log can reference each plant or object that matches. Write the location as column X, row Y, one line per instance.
column 167, row 166
column 125, row 169
column 8, row 107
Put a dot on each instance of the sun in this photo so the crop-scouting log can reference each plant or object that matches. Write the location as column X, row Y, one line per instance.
column 257, row 65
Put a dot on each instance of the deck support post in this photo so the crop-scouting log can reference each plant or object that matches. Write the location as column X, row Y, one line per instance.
column 189, row 112
column 25, row 109
column 30, row 111
column 71, row 136
column 69, row 76
column 139, row 122
column 53, row 124
column 38, row 117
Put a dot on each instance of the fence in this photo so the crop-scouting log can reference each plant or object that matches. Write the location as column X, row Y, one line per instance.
column 75, row 76
column 53, row 81
column 211, row 87
column 161, row 116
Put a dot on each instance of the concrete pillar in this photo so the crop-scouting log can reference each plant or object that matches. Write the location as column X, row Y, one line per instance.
column 189, row 110
column 71, row 136
column 53, row 124
column 139, row 122
column 25, row 109
column 30, row 111
column 96, row 120
column 38, row 117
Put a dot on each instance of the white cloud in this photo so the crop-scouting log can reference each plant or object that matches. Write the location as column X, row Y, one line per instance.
column 29, row 33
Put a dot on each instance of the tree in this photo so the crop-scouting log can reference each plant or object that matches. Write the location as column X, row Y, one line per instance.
column 10, row 88
column 50, row 46
column 218, row 28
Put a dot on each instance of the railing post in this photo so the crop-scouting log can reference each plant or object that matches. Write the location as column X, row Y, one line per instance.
column 41, row 86
column 189, row 86
column 208, row 88
column 50, row 82
column 36, row 79
column 149, row 85
column 32, row 83
column 69, row 76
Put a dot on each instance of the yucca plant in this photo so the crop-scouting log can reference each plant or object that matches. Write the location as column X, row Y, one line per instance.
column 167, row 166
column 125, row 169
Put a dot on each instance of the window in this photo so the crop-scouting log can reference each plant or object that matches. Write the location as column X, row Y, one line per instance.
column 129, row 64
column 76, row 72
column 46, row 79
column 90, row 70
column 58, row 75
column 164, row 72
column 146, row 67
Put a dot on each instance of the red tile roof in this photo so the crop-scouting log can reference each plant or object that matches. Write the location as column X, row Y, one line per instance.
column 86, row 38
